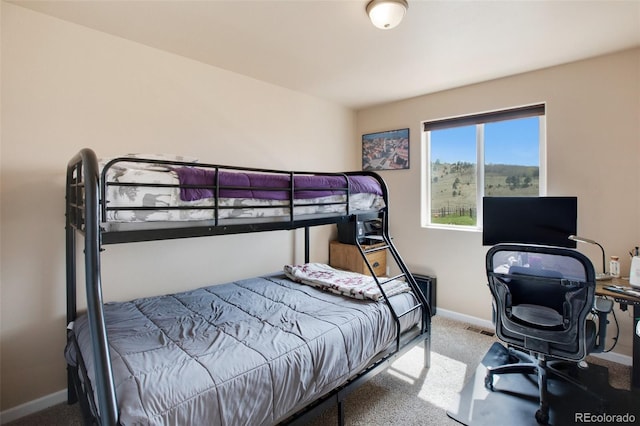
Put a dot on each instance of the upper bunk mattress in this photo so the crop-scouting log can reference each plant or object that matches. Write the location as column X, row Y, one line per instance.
column 140, row 192
column 250, row 352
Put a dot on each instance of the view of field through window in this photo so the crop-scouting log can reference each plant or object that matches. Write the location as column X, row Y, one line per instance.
column 511, row 167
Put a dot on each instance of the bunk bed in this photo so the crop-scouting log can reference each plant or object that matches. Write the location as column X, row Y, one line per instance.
column 275, row 349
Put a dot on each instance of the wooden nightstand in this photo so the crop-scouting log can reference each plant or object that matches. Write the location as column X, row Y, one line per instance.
column 347, row 256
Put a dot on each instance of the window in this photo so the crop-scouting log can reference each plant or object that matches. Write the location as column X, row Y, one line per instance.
column 494, row 154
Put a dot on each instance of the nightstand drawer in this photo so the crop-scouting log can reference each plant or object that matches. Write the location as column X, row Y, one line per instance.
column 347, row 256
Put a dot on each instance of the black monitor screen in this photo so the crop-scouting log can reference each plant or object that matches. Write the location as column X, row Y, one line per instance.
column 530, row 220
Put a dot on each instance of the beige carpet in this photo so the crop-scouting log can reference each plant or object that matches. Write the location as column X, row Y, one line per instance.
column 406, row 394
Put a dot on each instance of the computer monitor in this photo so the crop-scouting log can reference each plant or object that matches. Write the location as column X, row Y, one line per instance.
column 530, row 220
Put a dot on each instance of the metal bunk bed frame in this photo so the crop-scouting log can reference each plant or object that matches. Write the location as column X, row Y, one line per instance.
column 85, row 205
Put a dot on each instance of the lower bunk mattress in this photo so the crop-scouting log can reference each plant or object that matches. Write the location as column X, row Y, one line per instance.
column 250, row 352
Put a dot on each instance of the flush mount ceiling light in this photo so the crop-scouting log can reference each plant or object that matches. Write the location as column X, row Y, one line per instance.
column 386, row 14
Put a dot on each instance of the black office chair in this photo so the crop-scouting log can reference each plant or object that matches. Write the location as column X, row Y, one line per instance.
column 543, row 297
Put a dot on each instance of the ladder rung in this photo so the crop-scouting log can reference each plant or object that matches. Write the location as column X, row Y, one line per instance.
column 388, row 280
column 376, row 248
column 410, row 310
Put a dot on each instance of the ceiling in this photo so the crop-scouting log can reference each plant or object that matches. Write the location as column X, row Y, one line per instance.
column 329, row 49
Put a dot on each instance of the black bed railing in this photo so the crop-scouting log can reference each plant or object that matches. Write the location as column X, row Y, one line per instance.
column 217, row 188
column 83, row 214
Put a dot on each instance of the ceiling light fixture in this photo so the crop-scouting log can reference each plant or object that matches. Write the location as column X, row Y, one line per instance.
column 387, row 14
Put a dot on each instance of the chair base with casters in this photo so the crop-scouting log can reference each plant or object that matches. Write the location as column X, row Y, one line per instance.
column 543, row 297
column 538, row 365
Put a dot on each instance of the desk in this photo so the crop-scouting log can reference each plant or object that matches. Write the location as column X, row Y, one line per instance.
column 624, row 301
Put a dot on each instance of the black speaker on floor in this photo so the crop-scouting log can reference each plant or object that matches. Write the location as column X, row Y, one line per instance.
column 428, row 286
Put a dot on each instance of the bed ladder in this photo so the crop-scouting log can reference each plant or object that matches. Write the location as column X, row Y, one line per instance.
column 421, row 303
column 387, row 245
column 421, row 300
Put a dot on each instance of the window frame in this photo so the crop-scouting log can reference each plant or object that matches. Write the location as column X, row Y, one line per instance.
column 479, row 120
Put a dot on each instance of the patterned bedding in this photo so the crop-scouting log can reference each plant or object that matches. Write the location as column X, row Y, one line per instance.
column 250, row 352
column 231, row 205
column 346, row 283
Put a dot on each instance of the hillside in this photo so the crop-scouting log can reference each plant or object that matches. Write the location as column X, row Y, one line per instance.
column 453, row 188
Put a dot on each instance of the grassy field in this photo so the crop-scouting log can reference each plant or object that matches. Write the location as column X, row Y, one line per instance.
column 453, row 188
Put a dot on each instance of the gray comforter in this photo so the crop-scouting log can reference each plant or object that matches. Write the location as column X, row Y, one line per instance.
column 247, row 352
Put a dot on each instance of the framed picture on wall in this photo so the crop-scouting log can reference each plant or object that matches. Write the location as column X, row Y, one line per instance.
column 387, row 150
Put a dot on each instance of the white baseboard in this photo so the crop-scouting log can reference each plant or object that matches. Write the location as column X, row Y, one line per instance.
column 34, row 406
column 465, row 318
column 609, row 356
column 615, row 357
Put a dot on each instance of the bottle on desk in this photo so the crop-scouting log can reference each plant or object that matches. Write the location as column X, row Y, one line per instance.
column 614, row 266
column 634, row 272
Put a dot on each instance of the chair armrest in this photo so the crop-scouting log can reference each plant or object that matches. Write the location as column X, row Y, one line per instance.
column 602, row 305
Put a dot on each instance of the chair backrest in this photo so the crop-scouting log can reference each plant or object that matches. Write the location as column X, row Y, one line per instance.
column 542, row 298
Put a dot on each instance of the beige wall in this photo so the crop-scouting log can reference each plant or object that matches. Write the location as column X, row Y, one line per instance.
column 65, row 87
column 593, row 150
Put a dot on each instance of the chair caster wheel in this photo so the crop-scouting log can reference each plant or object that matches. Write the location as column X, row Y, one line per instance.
column 542, row 417
column 488, row 382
